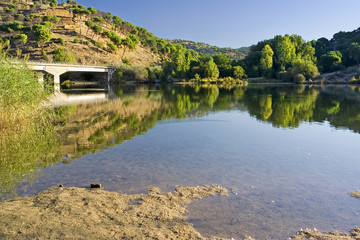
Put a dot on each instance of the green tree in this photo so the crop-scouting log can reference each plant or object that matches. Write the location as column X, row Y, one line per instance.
column 329, row 60
column 209, row 69
column 41, row 33
column 223, row 63
column 62, row 55
column 92, row 10
column 306, row 67
column 284, row 52
column 355, row 52
column 112, row 47
column 239, row 72
column 20, row 39
column 266, row 61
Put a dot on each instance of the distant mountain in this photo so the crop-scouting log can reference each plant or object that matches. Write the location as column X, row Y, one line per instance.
column 203, row 48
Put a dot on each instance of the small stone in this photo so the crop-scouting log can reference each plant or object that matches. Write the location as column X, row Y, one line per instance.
column 95, row 185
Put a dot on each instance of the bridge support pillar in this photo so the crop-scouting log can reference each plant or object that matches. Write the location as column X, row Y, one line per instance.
column 57, row 82
column 41, row 77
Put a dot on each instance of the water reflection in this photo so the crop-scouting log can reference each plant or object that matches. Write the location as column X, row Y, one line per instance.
column 205, row 135
column 90, row 127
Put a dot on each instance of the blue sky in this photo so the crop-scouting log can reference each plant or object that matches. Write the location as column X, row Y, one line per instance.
column 235, row 23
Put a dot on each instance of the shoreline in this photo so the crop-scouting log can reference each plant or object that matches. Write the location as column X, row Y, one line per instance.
column 80, row 213
column 84, row 213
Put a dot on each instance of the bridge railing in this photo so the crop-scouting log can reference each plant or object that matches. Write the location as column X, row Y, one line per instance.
column 62, row 64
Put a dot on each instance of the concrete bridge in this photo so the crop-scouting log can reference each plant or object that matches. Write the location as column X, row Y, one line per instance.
column 57, row 69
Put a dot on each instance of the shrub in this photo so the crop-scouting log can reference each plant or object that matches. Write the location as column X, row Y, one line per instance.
column 62, row 55
column 118, row 74
column 8, row 10
column 42, row 32
column 112, row 47
column 12, row 26
column 99, row 45
column 17, row 16
column 62, row 41
column 133, row 73
column 51, row 18
column 44, row 55
column 76, row 40
column 299, row 78
column 18, row 85
column 20, row 39
column 126, row 61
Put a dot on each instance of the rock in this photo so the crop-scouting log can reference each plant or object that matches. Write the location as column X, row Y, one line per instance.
column 95, row 185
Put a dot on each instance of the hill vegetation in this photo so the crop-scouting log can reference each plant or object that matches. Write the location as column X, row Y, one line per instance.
column 69, row 32
column 204, row 48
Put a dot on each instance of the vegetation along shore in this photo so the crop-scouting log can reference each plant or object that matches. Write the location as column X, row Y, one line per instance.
column 69, row 32
column 46, row 31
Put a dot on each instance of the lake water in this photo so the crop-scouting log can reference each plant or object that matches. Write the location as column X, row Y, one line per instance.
column 289, row 155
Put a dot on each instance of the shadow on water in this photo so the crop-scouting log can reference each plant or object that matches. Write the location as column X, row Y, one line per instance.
column 75, row 149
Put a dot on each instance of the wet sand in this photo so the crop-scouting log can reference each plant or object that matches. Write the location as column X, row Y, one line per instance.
column 79, row 213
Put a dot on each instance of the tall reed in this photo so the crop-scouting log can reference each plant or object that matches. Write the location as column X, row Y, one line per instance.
column 27, row 141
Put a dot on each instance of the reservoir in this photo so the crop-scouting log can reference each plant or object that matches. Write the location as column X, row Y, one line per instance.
column 289, row 155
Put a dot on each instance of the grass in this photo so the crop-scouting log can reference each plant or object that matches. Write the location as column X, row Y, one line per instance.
column 27, row 141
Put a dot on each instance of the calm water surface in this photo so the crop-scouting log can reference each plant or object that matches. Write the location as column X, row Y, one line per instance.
column 289, row 155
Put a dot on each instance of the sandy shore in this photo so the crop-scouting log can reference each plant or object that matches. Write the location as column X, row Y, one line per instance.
column 79, row 213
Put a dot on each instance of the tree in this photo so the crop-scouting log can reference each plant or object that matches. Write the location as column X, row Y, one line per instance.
column 112, row 47
column 92, row 10
column 223, row 63
column 41, row 33
column 266, row 61
column 97, row 30
column 90, row 25
column 305, row 67
column 355, row 52
column 239, row 72
column 299, row 78
column 209, row 69
column 284, row 52
column 62, row 55
column 128, row 44
column 20, row 39
column 328, row 60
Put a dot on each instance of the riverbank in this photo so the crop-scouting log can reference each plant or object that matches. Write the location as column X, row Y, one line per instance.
column 79, row 213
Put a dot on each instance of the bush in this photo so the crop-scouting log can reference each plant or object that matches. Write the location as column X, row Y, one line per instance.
column 51, row 18
column 62, row 55
column 299, row 78
column 42, row 32
column 19, row 86
column 20, row 39
column 17, row 16
column 100, row 45
column 62, row 41
column 44, row 55
column 133, row 73
column 76, row 40
column 118, row 74
column 12, row 26
column 112, row 47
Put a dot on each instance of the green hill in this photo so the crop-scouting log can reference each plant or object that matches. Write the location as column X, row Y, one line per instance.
column 203, row 48
column 36, row 29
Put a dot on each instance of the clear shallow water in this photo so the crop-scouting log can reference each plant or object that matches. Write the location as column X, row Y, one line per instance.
column 281, row 178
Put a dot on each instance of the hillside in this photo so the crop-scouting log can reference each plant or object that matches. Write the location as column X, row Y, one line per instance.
column 24, row 26
column 203, row 48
